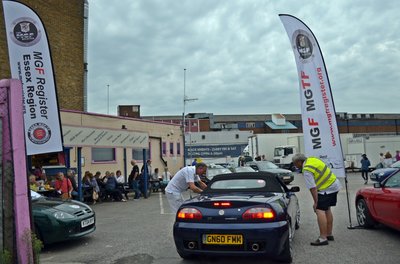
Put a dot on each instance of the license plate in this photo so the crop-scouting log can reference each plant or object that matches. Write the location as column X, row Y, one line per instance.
column 219, row 239
column 286, row 178
column 87, row 222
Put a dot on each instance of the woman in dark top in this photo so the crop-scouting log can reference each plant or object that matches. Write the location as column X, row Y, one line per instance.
column 365, row 163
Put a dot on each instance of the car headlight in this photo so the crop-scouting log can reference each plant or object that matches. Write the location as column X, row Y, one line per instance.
column 381, row 174
column 62, row 215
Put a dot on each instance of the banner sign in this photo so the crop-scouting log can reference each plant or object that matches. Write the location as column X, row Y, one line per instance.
column 321, row 136
column 98, row 137
column 215, row 151
column 30, row 62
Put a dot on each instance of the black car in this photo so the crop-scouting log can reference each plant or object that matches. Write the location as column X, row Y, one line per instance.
column 381, row 174
column 286, row 176
column 246, row 214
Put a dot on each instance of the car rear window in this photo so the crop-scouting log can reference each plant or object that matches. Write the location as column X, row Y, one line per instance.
column 246, row 185
column 239, row 184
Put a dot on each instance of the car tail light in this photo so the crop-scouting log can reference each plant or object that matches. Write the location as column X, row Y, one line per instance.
column 221, row 204
column 258, row 213
column 189, row 214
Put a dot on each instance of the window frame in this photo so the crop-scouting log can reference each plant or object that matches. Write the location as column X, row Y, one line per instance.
column 93, row 161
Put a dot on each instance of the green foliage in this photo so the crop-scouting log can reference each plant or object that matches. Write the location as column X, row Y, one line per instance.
column 5, row 257
column 35, row 243
column 37, row 246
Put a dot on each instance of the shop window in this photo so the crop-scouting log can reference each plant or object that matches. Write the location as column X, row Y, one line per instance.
column 250, row 125
column 103, row 154
column 137, row 154
column 164, row 149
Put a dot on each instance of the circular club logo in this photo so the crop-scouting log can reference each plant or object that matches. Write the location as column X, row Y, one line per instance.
column 303, row 44
column 39, row 133
column 25, row 32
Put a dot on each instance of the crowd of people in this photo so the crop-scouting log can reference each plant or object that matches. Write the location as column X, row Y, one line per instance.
column 97, row 187
column 385, row 161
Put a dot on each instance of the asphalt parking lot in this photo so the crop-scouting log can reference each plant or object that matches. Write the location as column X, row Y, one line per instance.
column 141, row 232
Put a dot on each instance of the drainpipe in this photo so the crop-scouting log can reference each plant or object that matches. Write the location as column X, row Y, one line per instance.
column 161, row 156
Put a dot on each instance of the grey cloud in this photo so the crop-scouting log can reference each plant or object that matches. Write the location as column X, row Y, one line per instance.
column 237, row 54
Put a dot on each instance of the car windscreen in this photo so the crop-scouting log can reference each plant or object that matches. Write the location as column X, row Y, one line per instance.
column 267, row 165
column 35, row 195
column 396, row 164
column 212, row 172
column 244, row 169
column 246, row 185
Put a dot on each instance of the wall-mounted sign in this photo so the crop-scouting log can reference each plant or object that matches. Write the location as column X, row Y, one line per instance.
column 215, row 151
column 98, row 137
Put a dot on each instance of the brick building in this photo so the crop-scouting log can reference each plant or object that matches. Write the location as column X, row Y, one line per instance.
column 65, row 25
column 264, row 124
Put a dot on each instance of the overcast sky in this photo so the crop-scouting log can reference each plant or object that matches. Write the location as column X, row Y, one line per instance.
column 238, row 56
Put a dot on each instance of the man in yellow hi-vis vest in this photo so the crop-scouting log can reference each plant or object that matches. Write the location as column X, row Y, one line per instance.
column 324, row 187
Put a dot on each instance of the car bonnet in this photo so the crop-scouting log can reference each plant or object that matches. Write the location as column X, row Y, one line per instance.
column 65, row 206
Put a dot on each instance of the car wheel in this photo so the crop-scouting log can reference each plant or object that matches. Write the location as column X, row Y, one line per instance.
column 286, row 256
column 364, row 217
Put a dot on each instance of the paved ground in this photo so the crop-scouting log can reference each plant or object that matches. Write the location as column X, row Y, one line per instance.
column 141, row 232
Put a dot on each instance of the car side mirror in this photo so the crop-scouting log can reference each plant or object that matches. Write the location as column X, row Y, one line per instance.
column 294, row 189
column 377, row 185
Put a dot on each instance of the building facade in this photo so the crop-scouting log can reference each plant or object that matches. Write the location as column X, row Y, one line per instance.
column 373, row 123
column 163, row 145
column 65, row 23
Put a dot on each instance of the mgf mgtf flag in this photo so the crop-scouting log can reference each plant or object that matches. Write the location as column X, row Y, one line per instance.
column 30, row 62
column 321, row 136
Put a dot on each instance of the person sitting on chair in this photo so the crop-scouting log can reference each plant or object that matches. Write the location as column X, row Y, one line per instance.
column 63, row 186
column 111, row 187
column 155, row 180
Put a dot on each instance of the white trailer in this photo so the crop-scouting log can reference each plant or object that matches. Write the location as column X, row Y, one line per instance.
column 279, row 148
column 264, row 144
column 371, row 146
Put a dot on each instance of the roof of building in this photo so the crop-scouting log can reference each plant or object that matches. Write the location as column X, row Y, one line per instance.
column 268, row 117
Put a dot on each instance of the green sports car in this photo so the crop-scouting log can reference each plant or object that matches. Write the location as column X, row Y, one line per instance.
column 56, row 220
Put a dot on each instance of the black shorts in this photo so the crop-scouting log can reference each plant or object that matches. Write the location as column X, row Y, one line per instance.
column 325, row 201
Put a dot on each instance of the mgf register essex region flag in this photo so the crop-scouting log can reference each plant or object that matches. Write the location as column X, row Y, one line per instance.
column 321, row 136
column 30, row 62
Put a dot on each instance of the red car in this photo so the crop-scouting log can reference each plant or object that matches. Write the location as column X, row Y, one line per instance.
column 380, row 203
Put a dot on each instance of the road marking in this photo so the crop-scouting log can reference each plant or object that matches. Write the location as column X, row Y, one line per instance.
column 162, row 205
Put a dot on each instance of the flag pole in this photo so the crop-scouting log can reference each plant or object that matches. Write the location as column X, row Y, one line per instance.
column 348, row 202
column 316, row 110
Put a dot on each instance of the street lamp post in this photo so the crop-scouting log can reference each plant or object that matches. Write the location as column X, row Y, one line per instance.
column 185, row 99
column 108, row 99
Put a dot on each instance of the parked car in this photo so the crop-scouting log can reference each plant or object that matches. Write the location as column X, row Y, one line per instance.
column 248, row 214
column 380, row 203
column 381, row 174
column 58, row 220
column 286, row 176
column 243, row 169
column 213, row 170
